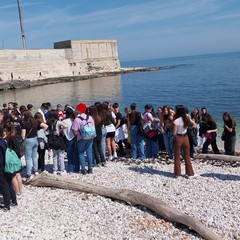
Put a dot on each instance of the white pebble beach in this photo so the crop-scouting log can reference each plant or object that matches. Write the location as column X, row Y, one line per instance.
column 48, row 213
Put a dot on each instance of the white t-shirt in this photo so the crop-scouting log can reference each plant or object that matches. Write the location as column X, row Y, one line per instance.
column 180, row 126
column 68, row 131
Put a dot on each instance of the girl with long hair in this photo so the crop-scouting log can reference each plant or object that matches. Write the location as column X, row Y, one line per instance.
column 42, row 141
column 181, row 143
column 71, row 141
column 30, row 126
column 229, row 133
column 97, row 146
column 210, row 134
column 12, row 140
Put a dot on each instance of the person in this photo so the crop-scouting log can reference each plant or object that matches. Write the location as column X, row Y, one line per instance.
column 6, row 189
column 109, row 120
column 71, row 142
column 30, row 107
column 151, row 142
column 43, row 110
column 56, row 128
column 161, row 144
column 101, row 113
column 137, row 139
column 12, row 140
column 181, row 143
column 42, row 144
column 121, row 130
column 83, row 145
column 202, row 128
column 30, row 126
column 97, row 146
column 60, row 112
column 210, row 134
column 229, row 133
column 195, row 115
column 167, row 129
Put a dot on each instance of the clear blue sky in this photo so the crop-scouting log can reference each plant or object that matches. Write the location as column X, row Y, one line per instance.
column 144, row 29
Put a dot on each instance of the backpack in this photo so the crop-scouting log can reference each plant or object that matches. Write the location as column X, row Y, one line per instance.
column 87, row 130
column 12, row 162
column 147, row 128
column 54, row 141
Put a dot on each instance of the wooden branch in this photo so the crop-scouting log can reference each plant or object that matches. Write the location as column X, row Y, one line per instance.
column 131, row 197
column 221, row 157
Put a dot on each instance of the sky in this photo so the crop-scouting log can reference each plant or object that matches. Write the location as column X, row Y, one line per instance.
column 147, row 29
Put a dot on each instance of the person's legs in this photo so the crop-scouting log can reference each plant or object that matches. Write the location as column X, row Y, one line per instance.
column 81, row 149
column 140, row 147
column 4, row 190
column 155, row 148
column 35, row 154
column 148, row 148
column 177, row 152
column 100, row 152
column 214, row 146
column 30, row 144
column 15, row 185
column 232, row 145
column 95, row 151
column 41, row 158
column 205, row 145
column 61, row 160
column 186, row 150
column 109, row 149
column 89, row 153
column 134, row 133
column 19, row 180
column 70, row 154
column 55, row 160
column 167, row 145
column 103, row 141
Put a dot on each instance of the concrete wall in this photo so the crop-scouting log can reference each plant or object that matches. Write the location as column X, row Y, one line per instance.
column 90, row 56
column 68, row 58
column 33, row 64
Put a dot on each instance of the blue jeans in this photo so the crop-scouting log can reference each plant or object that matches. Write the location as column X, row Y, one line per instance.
column 151, row 148
column 85, row 146
column 58, row 159
column 71, row 149
column 31, row 155
column 103, row 142
column 137, row 143
column 168, row 141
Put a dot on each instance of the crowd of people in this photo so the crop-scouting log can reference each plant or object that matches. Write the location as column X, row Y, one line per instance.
column 100, row 133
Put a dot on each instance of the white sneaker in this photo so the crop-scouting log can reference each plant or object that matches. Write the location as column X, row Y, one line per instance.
column 36, row 173
column 62, row 173
column 115, row 155
column 44, row 172
column 54, row 173
column 110, row 158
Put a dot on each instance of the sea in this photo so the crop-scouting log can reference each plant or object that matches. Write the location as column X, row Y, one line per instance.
column 211, row 81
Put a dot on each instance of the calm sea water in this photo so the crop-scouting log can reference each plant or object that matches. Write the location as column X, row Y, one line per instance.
column 211, row 81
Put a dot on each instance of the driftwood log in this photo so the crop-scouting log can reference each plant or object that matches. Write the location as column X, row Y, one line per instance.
column 221, row 157
column 131, row 197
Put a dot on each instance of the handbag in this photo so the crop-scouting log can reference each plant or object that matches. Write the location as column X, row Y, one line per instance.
column 224, row 136
column 151, row 133
column 208, row 135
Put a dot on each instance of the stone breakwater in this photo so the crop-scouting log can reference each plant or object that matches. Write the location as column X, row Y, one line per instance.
column 212, row 198
column 23, row 83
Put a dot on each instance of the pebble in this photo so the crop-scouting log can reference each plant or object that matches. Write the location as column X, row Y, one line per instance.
column 48, row 213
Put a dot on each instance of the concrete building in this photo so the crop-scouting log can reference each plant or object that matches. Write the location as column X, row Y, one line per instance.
column 68, row 58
